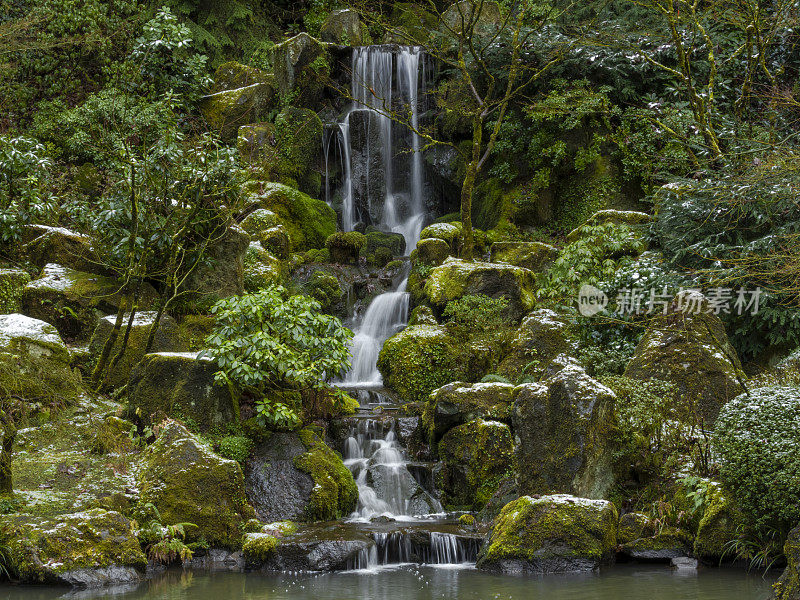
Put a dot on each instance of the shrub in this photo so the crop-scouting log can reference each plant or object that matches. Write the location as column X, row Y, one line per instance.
column 477, row 312
column 757, row 437
column 235, row 447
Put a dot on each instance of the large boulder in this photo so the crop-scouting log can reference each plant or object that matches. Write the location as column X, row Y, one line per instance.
column 294, row 158
column 420, row 359
column 261, row 269
column 180, row 385
column 95, row 547
column 296, row 476
column 719, row 526
column 167, row 339
column 431, row 252
column 345, row 247
column 75, row 301
column 241, row 95
column 302, row 67
column 456, row 278
column 541, row 337
column 222, row 273
column 551, row 534
column 65, row 247
column 187, row 483
column 34, row 361
column 258, row 221
column 344, row 27
column 689, row 348
column 535, row 256
column 324, row 547
column 12, row 284
column 788, row 586
column 307, row 221
column 458, row 403
column 564, row 430
column 474, row 459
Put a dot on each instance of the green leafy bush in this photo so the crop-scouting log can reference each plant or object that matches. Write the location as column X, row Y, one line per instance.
column 235, row 447
column 757, row 437
column 269, row 341
column 477, row 312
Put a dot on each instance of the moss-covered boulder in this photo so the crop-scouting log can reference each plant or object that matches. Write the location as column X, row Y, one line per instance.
column 241, row 95
column 65, row 247
column 535, row 256
column 12, row 284
column 222, row 274
column 458, row 403
column 720, row 525
column 261, row 269
column 90, row 548
column 34, row 361
column 431, row 252
column 420, row 359
column 297, row 476
column 551, row 534
column 257, row 221
column 616, row 217
column 788, row 586
column 422, row 315
column 394, row 242
column 634, row 525
column 663, row 546
column 75, row 301
column 301, row 66
column 167, row 339
column 474, row 459
column 542, row 336
column 180, row 385
column 451, row 233
column 293, row 154
column 345, row 247
column 325, row 288
column 691, row 350
column 308, row 221
column 456, row 278
column 564, row 429
column 188, row 483
column 276, row 241
column 344, row 28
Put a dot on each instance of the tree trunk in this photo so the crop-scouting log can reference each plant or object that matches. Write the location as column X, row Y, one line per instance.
column 468, row 188
column 9, row 435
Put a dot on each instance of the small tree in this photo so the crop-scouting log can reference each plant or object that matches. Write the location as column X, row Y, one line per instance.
column 271, row 342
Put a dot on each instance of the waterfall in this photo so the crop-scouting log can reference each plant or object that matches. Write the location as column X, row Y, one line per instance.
column 385, row 84
column 424, row 547
column 385, row 486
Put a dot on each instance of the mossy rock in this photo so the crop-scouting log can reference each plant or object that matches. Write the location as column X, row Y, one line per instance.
column 449, row 232
column 456, row 278
column 662, row 546
column 181, row 385
column 344, row 28
column 276, row 241
column 297, row 476
column 475, row 457
column 257, row 221
column 565, row 435
column 692, row 351
column 75, row 301
column 431, row 252
column 308, row 221
column 535, row 256
column 258, row 547
column 166, row 339
column 395, row 243
column 261, row 269
column 422, row 315
column 188, row 483
column 12, row 284
column 226, row 111
column 788, row 586
column 458, row 403
column 34, row 361
column 633, row 526
column 551, row 534
column 324, row 287
column 233, row 75
column 65, row 247
column 420, row 359
column 719, row 526
column 301, row 66
column 617, row 217
column 542, row 336
column 85, row 548
column 345, row 247
column 222, row 275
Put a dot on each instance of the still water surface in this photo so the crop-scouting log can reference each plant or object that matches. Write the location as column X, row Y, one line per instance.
column 414, row 582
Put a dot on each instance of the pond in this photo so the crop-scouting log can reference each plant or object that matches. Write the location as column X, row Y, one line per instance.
column 415, row 582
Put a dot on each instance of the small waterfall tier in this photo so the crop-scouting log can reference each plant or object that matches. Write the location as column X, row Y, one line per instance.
column 386, row 487
column 421, row 546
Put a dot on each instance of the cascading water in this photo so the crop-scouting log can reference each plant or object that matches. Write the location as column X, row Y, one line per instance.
column 385, row 84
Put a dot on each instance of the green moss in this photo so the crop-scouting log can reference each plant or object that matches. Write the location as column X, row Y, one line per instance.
column 324, row 287
column 335, row 493
column 553, row 527
column 298, row 132
column 719, row 526
column 259, row 546
column 261, row 269
column 12, row 282
column 257, row 221
column 788, row 586
column 345, row 246
column 466, row 520
column 227, row 110
column 431, row 252
column 308, row 221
